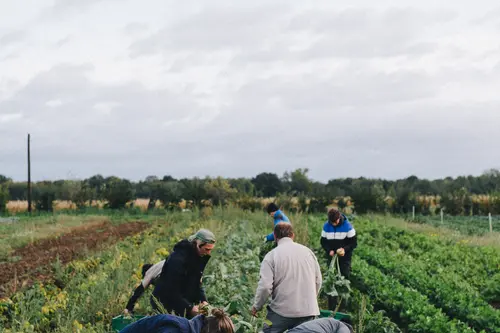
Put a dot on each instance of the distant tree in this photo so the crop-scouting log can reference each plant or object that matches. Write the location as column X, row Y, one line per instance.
column 168, row 178
column 299, row 181
column 151, row 179
column 118, row 192
column 243, row 186
column 44, row 195
column 4, row 179
column 167, row 193
column 97, row 184
column 194, row 189
column 267, row 184
column 84, row 194
column 367, row 197
column 219, row 191
column 4, row 197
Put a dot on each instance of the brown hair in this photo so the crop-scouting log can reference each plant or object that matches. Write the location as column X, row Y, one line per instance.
column 218, row 322
column 334, row 214
column 283, row 229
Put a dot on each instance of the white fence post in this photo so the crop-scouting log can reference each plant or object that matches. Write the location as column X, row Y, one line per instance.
column 491, row 224
column 442, row 217
column 413, row 212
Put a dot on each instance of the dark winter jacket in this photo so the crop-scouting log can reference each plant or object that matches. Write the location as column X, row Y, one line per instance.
column 179, row 286
column 341, row 236
column 165, row 323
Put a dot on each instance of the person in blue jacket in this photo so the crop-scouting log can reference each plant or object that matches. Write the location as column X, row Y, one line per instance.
column 218, row 322
column 278, row 216
column 339, row 237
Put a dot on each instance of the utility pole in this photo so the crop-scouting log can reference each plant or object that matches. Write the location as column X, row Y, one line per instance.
column 29, row 176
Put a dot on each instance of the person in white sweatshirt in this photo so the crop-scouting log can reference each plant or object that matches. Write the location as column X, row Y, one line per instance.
column 291, row 275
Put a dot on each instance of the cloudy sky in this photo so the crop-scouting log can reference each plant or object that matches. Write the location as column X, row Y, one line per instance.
column 233, row 88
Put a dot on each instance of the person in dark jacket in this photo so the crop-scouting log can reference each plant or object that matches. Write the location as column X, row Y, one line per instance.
column 179, row 287
column 218, row 322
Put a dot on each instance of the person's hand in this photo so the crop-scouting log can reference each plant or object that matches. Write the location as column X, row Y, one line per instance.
column 254, row 311
column 126, row 312
column 203, row 304
column 341, row 252
column 332, row 253
column 195, row 310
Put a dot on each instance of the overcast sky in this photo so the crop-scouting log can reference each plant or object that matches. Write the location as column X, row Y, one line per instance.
column 234, row 88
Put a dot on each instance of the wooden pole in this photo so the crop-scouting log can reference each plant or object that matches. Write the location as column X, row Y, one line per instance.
column 29, row 176
column 491, row 223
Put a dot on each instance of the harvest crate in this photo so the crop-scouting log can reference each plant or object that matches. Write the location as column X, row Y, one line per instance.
column 336, row 315
column 120, row 322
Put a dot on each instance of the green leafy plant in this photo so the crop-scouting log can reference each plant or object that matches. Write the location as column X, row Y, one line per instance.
column 336, row 285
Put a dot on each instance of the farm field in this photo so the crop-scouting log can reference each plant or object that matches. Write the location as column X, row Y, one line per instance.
column 403, row 280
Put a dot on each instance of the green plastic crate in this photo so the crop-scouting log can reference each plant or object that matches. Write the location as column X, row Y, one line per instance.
column 120, row 322
column 336, row 315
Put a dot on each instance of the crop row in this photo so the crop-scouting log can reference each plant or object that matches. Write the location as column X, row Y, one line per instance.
column 455, row 296
column 407, row 307
column 477, row 265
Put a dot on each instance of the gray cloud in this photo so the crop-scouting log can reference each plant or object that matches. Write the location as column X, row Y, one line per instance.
column 73, row 119
column 11, row 38
column 63, row 41
column 63, row 5
column 217, row 28
column 135, row 28
column 233, row 89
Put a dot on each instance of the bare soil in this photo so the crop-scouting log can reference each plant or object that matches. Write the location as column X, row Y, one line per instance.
column 33, row 261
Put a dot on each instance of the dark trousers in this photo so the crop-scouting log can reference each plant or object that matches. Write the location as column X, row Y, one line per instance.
column 345, row 271
column 280, row 324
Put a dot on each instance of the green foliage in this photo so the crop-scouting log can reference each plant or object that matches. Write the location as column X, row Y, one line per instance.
column 336, row 285
column 85, row 193
column 167, row 192
column 44, row 195
column 299, row 182
column 118, row 192
column 367, row 197
column 4, row 197
column 219, row 191
column 491, row 291
column 267, row 184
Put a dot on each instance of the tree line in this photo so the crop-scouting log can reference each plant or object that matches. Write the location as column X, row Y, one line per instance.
column 464, row 195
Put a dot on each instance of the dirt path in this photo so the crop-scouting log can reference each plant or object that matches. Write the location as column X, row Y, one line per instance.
column 36, row 258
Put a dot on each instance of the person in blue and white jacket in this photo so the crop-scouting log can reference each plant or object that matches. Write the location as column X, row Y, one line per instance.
column 339, row 237
column 278, row 216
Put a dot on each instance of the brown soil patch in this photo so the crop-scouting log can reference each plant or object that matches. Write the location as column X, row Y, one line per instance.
column 36, row 258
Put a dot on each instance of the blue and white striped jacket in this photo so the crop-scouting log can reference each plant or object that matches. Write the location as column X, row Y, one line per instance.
column 341, row 236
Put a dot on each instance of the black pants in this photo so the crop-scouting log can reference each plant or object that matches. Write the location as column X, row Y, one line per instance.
column 345, row 271
column 344, row 265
